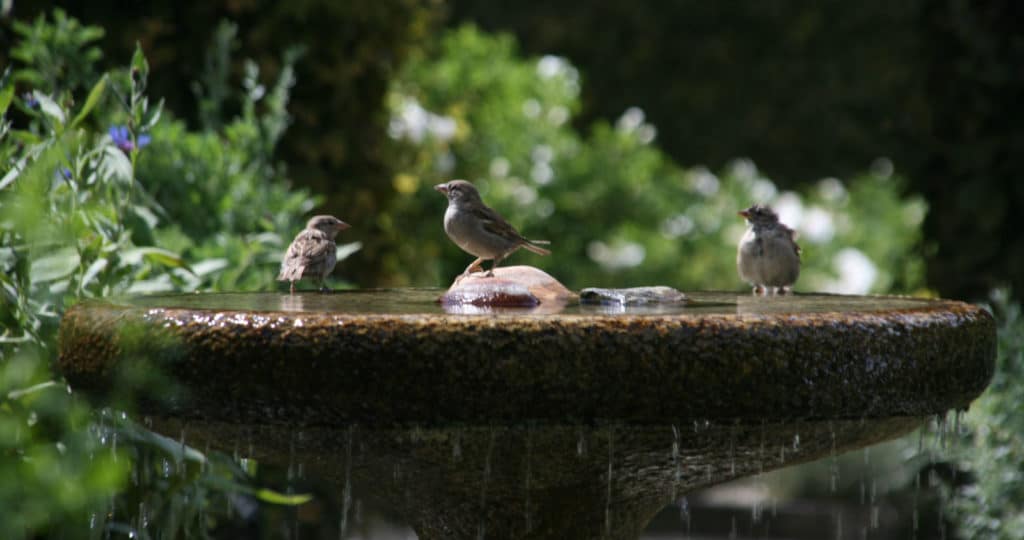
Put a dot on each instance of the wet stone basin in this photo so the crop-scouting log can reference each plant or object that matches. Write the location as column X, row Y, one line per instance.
column 397, row 357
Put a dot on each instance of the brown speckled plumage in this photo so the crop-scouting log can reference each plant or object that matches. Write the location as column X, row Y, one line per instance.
column 478, row 229
column 313, row 253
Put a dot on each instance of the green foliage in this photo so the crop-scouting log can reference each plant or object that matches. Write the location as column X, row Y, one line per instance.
column 93, row 212
column 617, row 210
column 992, row 506
column 60, row 54
column 53, row 471
column 819, row 88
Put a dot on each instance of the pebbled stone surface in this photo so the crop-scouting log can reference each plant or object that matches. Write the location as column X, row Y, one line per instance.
column 323, row 365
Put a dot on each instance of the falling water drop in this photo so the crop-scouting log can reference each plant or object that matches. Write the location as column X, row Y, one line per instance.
column 457, row 446
column 684, row 514
column 528, row 479
column 482, row 529
column 608, row 497
column 839, row 526
column 834, row 464
column 581, row 444
column 346, row 494
column 796, row 443
column 732, row 531
column 181, row 459
column 675, row 462
column 732, row 451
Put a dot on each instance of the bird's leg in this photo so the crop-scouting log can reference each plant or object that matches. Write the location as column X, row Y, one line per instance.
column 494, row 264
column 785, row 290
column 323, row 286
column 469, row 269
column 759, row 290
column 291, row 287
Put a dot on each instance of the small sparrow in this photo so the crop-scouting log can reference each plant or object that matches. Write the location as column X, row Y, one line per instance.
column 312, row 254
column 478, row 229
column 768, row 256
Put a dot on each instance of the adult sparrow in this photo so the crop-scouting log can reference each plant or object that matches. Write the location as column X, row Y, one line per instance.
column 478, row 229
column 312, row 254
column 768, row 256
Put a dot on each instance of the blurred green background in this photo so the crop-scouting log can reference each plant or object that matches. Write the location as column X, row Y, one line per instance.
column 164, row 146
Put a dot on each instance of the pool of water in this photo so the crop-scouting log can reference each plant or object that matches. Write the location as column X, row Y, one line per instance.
column 425, row 302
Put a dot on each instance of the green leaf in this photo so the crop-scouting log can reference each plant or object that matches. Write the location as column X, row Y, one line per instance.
column 273, row 497
column 159, row 284
column 49, row 107
column 95, row 268
column 90, row 102
column 152, row 116
column 155, row 255
column 345, row 250
column 116, row 166
column 210, row 266
column 20, row 393
column 52, row 267
column 6, row 90
column 139, row 64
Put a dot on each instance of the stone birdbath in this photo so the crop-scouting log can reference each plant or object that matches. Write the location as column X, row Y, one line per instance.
column 560, row 419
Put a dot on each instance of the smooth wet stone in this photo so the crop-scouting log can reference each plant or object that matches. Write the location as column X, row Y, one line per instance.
column 383, row 357
column 510, row 286
column 633, row 296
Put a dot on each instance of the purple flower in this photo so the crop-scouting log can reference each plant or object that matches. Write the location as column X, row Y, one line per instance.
column 123, row 139
column 66, row 173
column 30, row 100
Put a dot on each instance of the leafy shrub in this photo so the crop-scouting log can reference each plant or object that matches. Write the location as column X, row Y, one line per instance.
column 992, row 505
column 618, row 211
column 89, row 207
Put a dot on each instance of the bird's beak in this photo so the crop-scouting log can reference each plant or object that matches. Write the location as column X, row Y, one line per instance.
column 442, row 188
column 342, row 226
column 743, row 213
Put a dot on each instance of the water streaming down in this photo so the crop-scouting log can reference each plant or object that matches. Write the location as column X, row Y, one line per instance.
column 676, row 465
column 486, row 478
column 526, row 487
column 346, row 494
column 608, row 499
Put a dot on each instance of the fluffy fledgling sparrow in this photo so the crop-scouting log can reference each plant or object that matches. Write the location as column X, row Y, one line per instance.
column 312, row 254
column 768, row 256
column 479, row 230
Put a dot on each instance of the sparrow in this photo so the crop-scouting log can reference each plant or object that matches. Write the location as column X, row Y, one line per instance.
column 768, row 256
column 479, row 230
column 312, row 254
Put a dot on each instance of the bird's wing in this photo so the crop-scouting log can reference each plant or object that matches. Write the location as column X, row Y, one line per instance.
column 792, row 235
column 308, row 245
column 493, row 223
column 312, row 243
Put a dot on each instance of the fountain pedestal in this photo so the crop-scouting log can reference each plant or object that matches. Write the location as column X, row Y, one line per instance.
column 664, row 398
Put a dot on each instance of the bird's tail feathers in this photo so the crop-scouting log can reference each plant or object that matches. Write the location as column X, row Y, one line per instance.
column 533, row 246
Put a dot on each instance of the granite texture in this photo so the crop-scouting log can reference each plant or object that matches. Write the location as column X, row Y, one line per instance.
column 328, row 363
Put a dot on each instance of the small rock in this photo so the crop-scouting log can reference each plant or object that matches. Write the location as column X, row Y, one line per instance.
column 511, row 286
column 495, row 293
column 634, row 296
